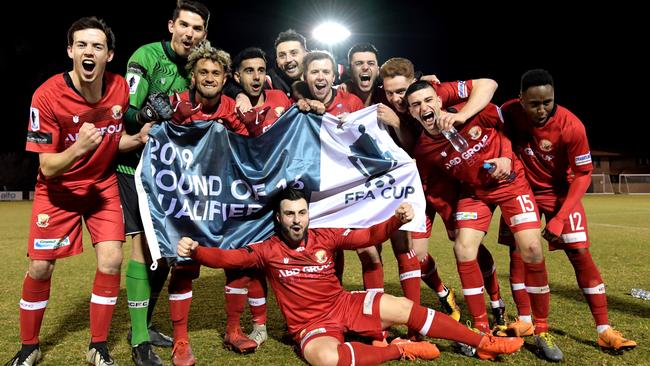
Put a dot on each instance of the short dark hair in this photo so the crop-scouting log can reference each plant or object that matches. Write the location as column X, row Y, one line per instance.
column 319, row 55
column 362, row 47
column 194, row 7
column 418, row 85
column 291, row 35
column 92, row 23
column 247, row 54
column 291, row 194
column 536, row 77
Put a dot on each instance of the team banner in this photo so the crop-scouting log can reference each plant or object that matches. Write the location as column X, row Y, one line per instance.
column 215, row 186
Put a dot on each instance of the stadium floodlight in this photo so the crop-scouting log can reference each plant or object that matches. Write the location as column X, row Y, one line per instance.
column 330, row 33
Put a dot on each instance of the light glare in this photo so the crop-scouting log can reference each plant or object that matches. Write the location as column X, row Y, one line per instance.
column 330, row 33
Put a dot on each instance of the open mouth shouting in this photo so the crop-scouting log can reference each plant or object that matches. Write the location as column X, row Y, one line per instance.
column 88, row 66
column 365, row 80
column 429, row 119
column 291, row 68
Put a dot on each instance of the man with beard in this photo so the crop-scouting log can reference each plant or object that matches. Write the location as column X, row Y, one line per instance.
column 491, row 175
column 76, row 129
column 154, row 68
column 551, row 141
column 298, row 262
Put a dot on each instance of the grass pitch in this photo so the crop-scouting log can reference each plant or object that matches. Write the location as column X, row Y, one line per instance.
column 618, row 227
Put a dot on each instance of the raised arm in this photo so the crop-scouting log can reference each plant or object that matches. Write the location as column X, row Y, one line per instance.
column 215, row 257
column 379, row 233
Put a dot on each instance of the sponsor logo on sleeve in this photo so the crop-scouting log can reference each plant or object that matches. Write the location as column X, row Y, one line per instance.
column 34, row 120
column 583, row 159
column 133, row 80
column 462, row 89
column 39, row 137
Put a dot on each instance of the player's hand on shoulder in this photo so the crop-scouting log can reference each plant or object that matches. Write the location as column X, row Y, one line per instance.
column 186, row 246
column 405, row 212
column 243, row 103
column 156, row 109
column 387, row 116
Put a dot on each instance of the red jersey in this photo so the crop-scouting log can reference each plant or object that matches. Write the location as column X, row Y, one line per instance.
column 550, row 152
column 343, row 102
column 278, row 102
column 303, row 278
column 485, row 140
column 56, row 115
column 224, row 114
column 450, row 93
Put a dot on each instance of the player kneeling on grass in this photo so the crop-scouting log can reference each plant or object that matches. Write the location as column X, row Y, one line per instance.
column 298, row 264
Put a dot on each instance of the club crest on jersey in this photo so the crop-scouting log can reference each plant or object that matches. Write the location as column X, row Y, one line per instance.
column 42, row 220
column 475, row 132
column 321, row 256
column 545, row 145
column 34, row 121
column 117, row 111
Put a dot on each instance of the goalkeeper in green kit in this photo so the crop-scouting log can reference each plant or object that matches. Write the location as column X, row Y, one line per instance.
column 155, row 71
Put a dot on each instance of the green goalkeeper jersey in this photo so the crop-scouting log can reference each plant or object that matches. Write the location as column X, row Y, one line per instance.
column 153, row 68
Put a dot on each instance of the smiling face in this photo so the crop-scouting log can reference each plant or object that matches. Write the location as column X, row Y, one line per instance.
column 288, row 56
column 424, row 105
column 319, row 75
column 293, row 217
column 538, row 103
column 89, row 53
column 395, row 89
column 364, row 70
column 187, row 31
column 208, row 78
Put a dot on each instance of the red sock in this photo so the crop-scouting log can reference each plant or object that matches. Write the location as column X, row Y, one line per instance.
column 373, row 275
column 472, row 282
column 488, row 270
column 591, row 284
column 102, row 303
column 518, row 284
column 236, row 291
column 180, row 298
column 430, row 274
column 435, row 324
column 257, row 297
column 36, row 293
column 359, row 354
column 409, row 275
column 540, row 294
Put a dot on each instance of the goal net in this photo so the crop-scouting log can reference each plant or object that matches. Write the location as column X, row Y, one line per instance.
column 634, row 183
column 600, row 184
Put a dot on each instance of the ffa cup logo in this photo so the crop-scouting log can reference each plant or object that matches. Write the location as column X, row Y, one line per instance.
column 475, row 132
column 545, row 145
column 117, row 111
column 321, row 256
column 35, row 123
column 42, row 220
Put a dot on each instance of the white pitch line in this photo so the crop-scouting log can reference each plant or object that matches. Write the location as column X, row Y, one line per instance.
column 619, row 226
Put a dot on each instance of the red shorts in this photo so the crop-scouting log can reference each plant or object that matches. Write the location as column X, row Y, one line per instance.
column 427, row 233
column 518, row 209
column 574, row 234
column 356, row 312
column 55, row 227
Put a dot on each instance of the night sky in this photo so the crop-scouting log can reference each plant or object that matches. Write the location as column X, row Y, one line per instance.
column 595, row 59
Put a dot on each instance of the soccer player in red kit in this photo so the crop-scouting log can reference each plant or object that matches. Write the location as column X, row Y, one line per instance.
column 553, row 147
column 398, row 74
column 76, row 128
column 298, row 263
column 482, row 190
